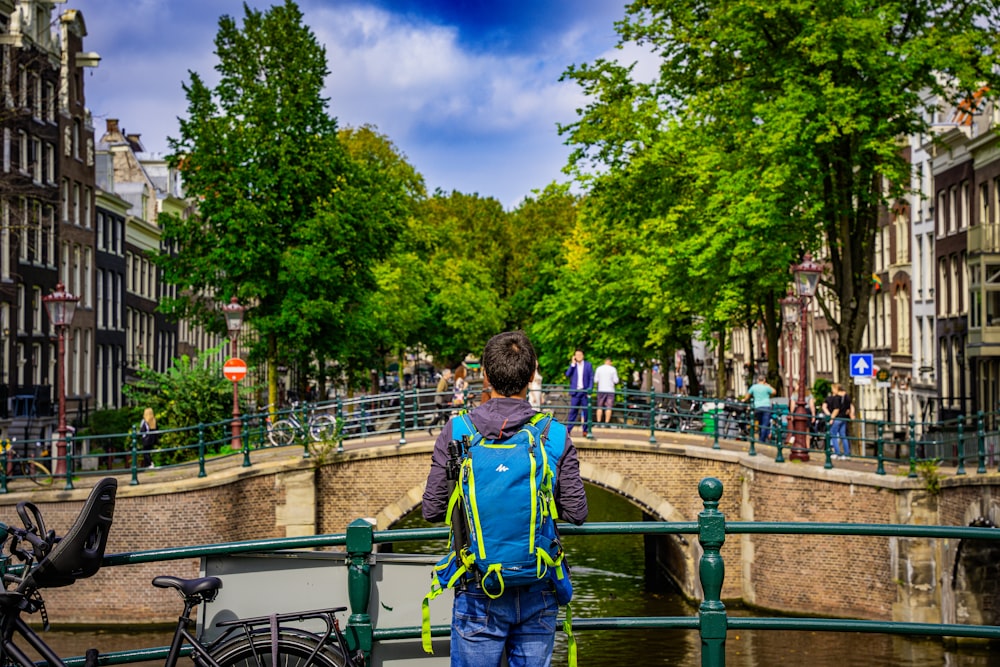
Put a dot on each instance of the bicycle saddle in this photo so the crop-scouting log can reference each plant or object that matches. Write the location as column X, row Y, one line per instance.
column 79, row 553
column 189, row 587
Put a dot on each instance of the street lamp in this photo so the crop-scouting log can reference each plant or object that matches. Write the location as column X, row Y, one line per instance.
column 806, row 280
column 234, row 323
column 61, row 306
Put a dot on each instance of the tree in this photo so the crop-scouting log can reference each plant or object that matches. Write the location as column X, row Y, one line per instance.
column 287, row 220
column 191, row 392
column 810, row 100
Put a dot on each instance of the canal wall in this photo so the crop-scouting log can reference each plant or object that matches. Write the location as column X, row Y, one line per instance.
column 880, row 578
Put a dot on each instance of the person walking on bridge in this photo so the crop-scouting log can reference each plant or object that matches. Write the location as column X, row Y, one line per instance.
column 606, row 377
column 761, row 392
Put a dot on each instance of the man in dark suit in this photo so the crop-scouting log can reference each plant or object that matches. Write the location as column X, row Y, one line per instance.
column 581, row 381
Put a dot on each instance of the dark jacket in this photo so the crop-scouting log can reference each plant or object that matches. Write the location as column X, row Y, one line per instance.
column 508, row 415
column 588, row 377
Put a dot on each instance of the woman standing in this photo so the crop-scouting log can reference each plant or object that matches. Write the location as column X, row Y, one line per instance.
column 149, row 437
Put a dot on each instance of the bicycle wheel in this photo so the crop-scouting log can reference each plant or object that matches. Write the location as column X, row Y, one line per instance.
column 322, row 428
column 37, row 472
column 293, row 651
column 282, row 433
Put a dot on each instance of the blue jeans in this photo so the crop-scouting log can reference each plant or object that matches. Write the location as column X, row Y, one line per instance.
column 578, row 401
column 763, row 415
column 838, row 438
column 520, row 624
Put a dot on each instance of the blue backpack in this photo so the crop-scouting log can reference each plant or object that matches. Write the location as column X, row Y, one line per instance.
column 505, row 488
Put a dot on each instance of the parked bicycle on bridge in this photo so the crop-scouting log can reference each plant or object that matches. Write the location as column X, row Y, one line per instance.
column 49, row 561
column 318, row 426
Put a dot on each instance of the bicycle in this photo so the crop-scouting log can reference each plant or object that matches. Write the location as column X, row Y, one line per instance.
column 285, row 431
column 49, row 561
column 24, row 462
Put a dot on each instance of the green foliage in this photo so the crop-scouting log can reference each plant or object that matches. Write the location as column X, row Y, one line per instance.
column 929, row 471
column 288, row 219
column 117, row 422
column 821, row 389
column 768, row 131
column 190, row 393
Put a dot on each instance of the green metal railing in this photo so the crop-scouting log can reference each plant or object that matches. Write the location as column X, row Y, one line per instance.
column 963, row 443
column 712, row 621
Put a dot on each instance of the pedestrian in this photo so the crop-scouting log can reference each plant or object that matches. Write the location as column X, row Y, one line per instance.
column 149, row 437
column 839, row 408
column 581, row 382
column 442, row 401
column 606, row 377
column 459, row 389
column 535, row 390
column 761, row 392
column 520, row 623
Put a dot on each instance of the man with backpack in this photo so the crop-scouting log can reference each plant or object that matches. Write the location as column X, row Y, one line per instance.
column 515, row 464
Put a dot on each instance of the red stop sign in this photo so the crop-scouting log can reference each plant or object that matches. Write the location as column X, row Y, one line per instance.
column 234, row 369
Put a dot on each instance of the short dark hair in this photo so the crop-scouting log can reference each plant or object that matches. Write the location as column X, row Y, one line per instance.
column 509, row 362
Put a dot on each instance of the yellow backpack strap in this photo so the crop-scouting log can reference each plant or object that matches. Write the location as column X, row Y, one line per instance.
column 570, row 639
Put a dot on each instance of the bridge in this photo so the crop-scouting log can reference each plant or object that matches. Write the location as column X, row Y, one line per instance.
column 281, row 494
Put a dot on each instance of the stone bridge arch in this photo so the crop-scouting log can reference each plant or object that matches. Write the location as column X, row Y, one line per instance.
column 675, row 556
column 971, row 578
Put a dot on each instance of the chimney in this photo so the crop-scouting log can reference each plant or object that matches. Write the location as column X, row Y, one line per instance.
column 112, row 125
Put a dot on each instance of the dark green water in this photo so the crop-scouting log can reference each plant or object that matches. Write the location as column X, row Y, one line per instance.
column 608, row 581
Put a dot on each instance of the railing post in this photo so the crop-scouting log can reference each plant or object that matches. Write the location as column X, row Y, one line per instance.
column 913, row 448
column 402, row 416
column 980, row 444
column 717, row 424
column 134, row 447
column 880, row 449
column 778, row 433
column 201, row 450
column 340, row 425
column 4, row 458
column 246, row 441
column 416, row 409
column 960, row 470
column 652, row 417
column 588, row 423
column 70, row 442
column 712, row 570
column 360, row 541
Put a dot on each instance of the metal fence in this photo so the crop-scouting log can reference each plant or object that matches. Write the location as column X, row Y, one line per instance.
column 712, row 621
column 965, row 443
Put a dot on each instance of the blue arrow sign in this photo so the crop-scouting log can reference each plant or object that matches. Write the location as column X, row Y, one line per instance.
column 861, row 365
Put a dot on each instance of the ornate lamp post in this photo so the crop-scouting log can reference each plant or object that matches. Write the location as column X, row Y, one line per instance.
column 806, row 280
column 61, row 306
column 234, row 323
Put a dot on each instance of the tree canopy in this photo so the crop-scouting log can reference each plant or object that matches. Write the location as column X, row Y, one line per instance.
column 287, row 220
column 785, row 120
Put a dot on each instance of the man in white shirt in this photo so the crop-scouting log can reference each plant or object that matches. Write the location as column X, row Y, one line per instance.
column 605, row 377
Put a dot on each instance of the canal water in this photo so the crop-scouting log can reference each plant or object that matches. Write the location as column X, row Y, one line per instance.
column 608, row 581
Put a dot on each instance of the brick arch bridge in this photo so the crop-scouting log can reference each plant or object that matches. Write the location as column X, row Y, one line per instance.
column 920, row 580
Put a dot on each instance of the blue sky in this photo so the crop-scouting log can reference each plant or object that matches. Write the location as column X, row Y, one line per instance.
column 468, row 89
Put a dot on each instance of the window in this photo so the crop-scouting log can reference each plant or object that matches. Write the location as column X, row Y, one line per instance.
column 49, row 164
column 76, row 138
column 50, row 102
column 77, row 207
column 101, row 301
column 35, row 159
column 65, row 200
column 966, row 204
column 22, row 152
column 88, row 195
column 952, row 209
column 37, row 306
